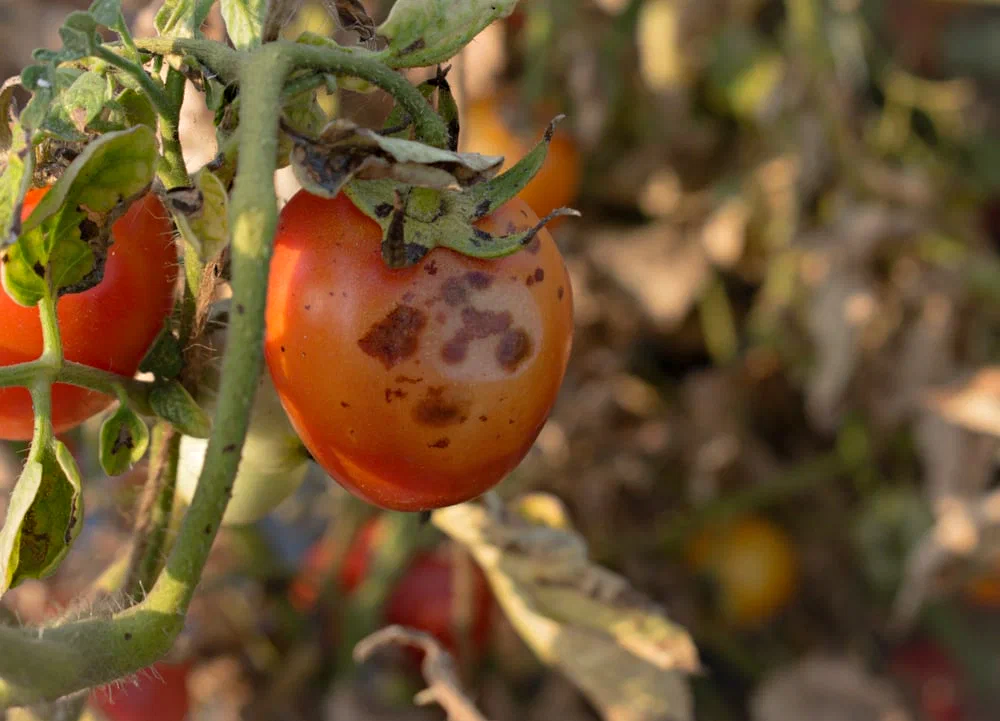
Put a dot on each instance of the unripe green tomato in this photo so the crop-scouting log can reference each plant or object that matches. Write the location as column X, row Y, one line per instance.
column 274, row 461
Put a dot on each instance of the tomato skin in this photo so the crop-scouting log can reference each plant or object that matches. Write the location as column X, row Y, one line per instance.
column 109, row 326
column 165, row 698
column 751, row 567
column 556, row 184
column 420, row 387
column 932, row 677
column 422, row 597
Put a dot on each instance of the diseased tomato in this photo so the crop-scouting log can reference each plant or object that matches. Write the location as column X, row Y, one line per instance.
column 423, row 597
column 159, row 692
column 484, row 130
column 109, row 326
column 420, row 387
column 750, row 567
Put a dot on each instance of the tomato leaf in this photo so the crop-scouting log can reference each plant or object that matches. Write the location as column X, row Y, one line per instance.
column 165, row 358
column 182, row 18
column 345, row 151
column 81, row 103
column 7, row 89
column 106, row 12
column 15, row 178
column 124, row 440
column 171, row 402
column 207, row 228
column 244, row 21
column 136, row 109
column 618, row 648
column 428, row 32
column 24, row 265
column 44, row 517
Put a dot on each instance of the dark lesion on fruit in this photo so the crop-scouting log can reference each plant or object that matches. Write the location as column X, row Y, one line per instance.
column 453, row 292
column 514, row 348
column 438, row 410
column 476, row 325
column 478, row 280
column 396, row 337
column 440, row 443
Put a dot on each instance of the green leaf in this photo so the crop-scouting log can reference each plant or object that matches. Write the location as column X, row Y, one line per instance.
column 44, row 517
column 207, row 230
column 182, row 18
column 244, row 21
column 428, row 32
column 171, row 402
column 15, row 178
column 345, row 151
column 79, row 36
column 106, row 12
column 124, row 439
column 24, row 264
column 165, row 357
column 82, row 102
column 112, row 167
column 136, row 108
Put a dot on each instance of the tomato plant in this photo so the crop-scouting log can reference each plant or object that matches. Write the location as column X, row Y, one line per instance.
column 109, row 326
column 159, row 692
column 418, row 387
column 422, row 598
column 750, row 569
column 486, row 130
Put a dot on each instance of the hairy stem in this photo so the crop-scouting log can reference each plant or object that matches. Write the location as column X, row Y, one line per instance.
column 75, row 374
column 173, row 172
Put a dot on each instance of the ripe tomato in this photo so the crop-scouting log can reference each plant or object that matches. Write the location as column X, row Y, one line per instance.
column 933, row 679
column 750, row 566
column 484, row 130
column 160, row 693
column 422, row 598
column 109, row 326
column 420, row 387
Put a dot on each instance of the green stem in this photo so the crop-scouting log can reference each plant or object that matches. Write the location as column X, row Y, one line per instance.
column 173, row 173
column 152, row 87
column 219, row 59
column 75, row 374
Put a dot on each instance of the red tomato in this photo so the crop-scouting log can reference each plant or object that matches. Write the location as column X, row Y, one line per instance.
column 422, row 598
column 109, row 326
column 420, row 387
column 158, row 693
column 485, row 130
column 932, row 677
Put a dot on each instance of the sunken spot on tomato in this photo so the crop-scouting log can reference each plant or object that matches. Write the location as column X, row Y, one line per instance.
column 440, row 443
column 407, row 379
column 437, row 409
column 396, row 337
column 478, row 280
column 476, row 325
column 513, row 349
column 534, row 245
column 397, row 393
column 539, row 275
column 560, row 292
column 453, row 292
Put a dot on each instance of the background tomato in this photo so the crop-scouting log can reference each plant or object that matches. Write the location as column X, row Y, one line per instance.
column 932, row 678
column 420, row 387
column 750, row 566
column 423, row 598
column 485, row 130
column 158, row 693
column 109, row 326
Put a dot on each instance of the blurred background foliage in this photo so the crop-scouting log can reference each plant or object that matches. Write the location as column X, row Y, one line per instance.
column 782, row 412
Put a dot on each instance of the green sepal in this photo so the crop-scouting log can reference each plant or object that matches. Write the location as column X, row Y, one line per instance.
column 124, row 439
column 44, row 517
column 171, row 402
column 165, row 357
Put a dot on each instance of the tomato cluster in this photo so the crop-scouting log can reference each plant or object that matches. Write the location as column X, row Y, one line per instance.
column 422, row 598
column 109, row 326
column 158, row 692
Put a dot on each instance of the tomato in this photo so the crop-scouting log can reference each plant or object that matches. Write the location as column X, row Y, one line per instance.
column 933, row 679
column 751, row 569
column 160, row 693
column 485, row 130
column 109, row 326
column 422, row 598
column 420, row 387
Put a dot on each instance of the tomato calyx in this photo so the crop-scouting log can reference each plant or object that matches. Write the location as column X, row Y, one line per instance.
column 414, row 220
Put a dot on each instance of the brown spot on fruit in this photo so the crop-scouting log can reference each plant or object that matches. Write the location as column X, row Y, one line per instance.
column 440, row 443
column 529, row 281
column 479, row 280
column 438, row 410
column 407, row 379
column 453, row 292
column 534, row 245
column 345, row 405
column 513, row 349
column 560, row 293
column 539, row 275
column 395, row 337
column 476, row 325
column 483, row 418
column 431, row 267
column 391, row 393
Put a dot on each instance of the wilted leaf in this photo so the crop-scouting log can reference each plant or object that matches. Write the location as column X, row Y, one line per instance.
column 123, row 442
column 44, row 516
column 207, row 228
column 353, row 16
column 612, row 642
column 345, row 151
column 427, row 32
column 15, row 179
column 171, row 402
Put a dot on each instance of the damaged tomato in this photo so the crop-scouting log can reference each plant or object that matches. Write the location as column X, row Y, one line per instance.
column 419, row 387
